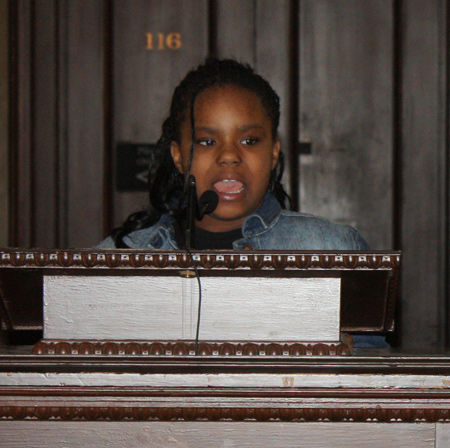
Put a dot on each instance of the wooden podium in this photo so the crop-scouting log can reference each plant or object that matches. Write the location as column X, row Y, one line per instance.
column 275, row 303
column 102, row 376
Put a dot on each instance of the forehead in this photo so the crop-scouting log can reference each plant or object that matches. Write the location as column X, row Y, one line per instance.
column 229, row 99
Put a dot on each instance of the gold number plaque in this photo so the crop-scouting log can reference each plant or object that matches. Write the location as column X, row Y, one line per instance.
column 161, row 41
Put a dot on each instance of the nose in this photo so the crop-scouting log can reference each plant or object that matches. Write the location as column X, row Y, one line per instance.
column 228, row 155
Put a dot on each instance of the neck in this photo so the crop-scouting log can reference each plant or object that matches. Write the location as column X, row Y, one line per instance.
column 215, row 225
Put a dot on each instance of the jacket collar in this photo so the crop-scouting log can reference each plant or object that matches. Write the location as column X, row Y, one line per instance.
column 162, row 235
column 263, row 218
column 159, row 236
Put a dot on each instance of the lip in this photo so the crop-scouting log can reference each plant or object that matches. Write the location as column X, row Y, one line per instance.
column 229, row 195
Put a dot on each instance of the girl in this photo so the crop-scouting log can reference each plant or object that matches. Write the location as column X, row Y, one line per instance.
column 222, row 129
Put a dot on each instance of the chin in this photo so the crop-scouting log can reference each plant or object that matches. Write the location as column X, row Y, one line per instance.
column 228, row 214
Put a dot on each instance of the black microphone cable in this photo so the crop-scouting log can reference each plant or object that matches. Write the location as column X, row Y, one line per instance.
column 189, row 187
column 204, row 206
column 199, row 308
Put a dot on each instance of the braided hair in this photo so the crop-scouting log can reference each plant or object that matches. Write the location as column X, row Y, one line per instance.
column 165, row 181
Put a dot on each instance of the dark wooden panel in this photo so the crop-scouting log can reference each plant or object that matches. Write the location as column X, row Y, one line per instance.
column 236, row 27
column 424, row 172
column 4, row 137
column 144, row 79
column 44, row 121
column 21, row 181
column 58, row 144
column 22, row 293
column 276, row 45
column 83, row 152
column 346, row 114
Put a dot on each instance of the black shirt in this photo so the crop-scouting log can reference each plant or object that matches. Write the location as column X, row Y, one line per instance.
column 203, row 239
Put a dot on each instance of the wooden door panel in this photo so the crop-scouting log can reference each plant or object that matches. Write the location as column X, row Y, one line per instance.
column 35, row 143
column 21, row 216
column 424, row 175
column 236, row 29
column 82, row 149
column 44, row 153
column 58, row 135
column 144, row 78
column 275, row 52
column 346, row 94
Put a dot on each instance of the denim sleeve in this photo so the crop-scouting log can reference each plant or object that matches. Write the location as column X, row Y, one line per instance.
column 360, row 242
column 369, row 341
column 107, row 243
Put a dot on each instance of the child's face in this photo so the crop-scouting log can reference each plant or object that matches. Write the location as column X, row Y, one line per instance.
column 234, row 154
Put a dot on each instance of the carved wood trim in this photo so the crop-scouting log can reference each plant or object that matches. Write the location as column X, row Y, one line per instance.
column 255, row 260
column 354, row 396
column 385, row 363
column 180, row 348
column 378, row 413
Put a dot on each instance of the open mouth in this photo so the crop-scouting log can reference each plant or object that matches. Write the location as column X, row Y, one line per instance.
column 229, row 186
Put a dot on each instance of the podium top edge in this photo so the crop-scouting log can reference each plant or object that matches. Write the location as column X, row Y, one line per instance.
column 207, row 259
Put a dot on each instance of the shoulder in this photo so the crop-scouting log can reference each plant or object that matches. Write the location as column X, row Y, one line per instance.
column 307, row 232
column 107, row 243
column 157, row 236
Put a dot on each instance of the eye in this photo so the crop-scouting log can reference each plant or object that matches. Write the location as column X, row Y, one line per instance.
column 249, row 141
column 206, row 142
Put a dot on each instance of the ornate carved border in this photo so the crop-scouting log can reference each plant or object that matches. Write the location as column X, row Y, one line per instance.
column 180, row 348
column 274, row 260
column 296, row 414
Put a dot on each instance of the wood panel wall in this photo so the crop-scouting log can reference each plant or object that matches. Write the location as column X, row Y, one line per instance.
column 59, row 136
column 144, row 79
column 4, row 108
column 423, row 170
column 346, row 103
column 364, row 94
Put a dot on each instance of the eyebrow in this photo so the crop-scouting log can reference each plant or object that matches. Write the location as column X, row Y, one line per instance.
column 241, row 129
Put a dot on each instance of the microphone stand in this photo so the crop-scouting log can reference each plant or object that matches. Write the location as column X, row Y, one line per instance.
column 191, row 209
column 197, row 208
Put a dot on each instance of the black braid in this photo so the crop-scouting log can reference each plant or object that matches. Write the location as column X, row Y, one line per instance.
column 165, row 181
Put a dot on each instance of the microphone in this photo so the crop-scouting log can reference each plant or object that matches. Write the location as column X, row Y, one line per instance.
column 207, row 203
column 197, row 208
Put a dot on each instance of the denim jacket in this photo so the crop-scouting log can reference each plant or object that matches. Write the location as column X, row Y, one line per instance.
column 268, row 228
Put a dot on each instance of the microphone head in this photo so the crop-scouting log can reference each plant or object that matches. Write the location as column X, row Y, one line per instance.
column 208, row 202
column 191, row 179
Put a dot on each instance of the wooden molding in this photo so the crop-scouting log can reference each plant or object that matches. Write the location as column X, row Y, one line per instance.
column 180, row 348
column 242, row 260
column 413, row 399
column 293, row 414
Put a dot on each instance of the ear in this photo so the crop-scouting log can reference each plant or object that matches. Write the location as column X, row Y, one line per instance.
column 175, row 150
column 276, row 152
